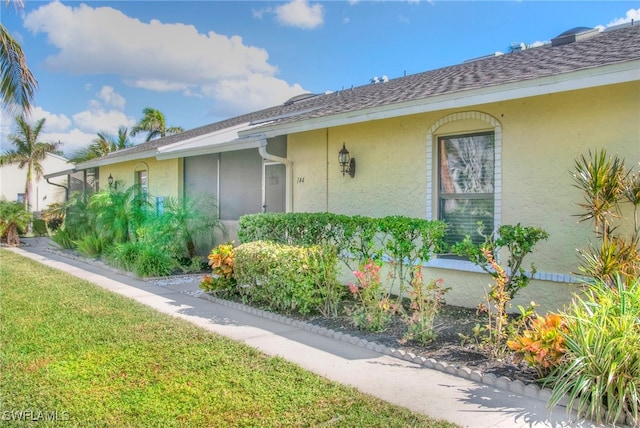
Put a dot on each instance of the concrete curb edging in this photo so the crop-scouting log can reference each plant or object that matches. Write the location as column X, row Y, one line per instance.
column 502, row 382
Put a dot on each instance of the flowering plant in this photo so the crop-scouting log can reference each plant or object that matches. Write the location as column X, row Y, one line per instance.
column 375, row 308
column 426, row 301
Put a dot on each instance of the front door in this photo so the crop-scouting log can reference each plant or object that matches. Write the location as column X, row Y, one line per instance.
column 273, row 185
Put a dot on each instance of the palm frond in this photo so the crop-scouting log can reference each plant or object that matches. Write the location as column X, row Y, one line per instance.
column 18, row 83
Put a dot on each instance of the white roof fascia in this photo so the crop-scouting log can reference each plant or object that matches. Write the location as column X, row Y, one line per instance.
column 222, row 140
column 228, row 146
column 581, row 79
column 223, row 134
column 118, row 159
column 59, row 173
column 53, row 155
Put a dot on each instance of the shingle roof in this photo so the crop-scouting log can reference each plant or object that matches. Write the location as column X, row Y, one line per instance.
column 606, row 48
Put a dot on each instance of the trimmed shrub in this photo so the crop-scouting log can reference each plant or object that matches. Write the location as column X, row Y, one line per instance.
column 289, row 278
column 402, row 240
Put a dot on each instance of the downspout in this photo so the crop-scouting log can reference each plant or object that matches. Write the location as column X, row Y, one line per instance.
column 288, row 173
column 218, row 183
column 326, row 174
column 66, row 189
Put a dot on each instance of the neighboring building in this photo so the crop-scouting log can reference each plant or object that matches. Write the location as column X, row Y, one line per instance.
column 492, row 139
column 44, row 192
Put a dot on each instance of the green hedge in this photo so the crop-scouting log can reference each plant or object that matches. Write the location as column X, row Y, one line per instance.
column 289, row 278
column 358, row 239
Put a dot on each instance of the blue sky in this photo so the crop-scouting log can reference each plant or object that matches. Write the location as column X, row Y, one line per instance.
column 99, row 63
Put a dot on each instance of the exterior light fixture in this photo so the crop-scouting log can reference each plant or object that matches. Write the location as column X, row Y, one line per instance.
column 110, row 180
column 347, row 163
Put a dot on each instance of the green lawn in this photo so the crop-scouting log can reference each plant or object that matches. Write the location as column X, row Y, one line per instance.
column 70, row 350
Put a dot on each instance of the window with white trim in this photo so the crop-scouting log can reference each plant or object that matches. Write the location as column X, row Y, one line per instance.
column 141, row 179
column 466, row 174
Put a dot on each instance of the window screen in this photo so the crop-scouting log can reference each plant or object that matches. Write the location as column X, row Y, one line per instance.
column 466, row 177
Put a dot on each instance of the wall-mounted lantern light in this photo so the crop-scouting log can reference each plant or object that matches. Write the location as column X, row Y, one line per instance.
column 110, row 180
column 347, row 163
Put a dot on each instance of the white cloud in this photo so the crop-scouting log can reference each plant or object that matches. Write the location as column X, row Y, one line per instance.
column 97, row 120
column 152, row 55
column 71, row 141
column 111, row 97
column 632, row 14
column 53, row 122
column 301, row 14
column 6, row 123
column 253, row 91
column 105, row 113
column 159, row 85
column 79, row 132
column 53, row 125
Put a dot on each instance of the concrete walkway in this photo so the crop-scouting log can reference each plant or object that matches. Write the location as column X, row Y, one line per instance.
column 432, row 392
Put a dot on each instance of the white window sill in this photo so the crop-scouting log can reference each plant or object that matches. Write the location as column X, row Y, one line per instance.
column 453, row 264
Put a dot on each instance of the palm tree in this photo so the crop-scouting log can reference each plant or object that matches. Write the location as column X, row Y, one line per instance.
column 119, row 213
column 102, row 145
column 122, row 140
column 18, row 84
column 13, row 219
column 155, row 124
column 29, row 152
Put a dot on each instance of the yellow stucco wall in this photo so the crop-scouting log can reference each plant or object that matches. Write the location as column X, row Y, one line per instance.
column 381, row 150
column 165, row 176
column 541, row 138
